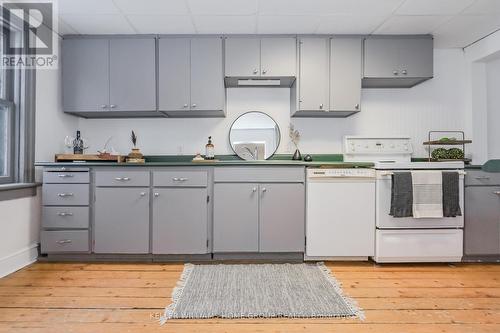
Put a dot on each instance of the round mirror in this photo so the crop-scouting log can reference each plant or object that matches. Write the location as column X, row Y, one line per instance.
column 254, row 136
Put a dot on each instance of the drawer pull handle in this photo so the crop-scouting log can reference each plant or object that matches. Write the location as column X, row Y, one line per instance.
column 181, row 179
column 496, row 192
column 157, row 195
column 143, row 194
column 64, row 241
column 482, row 177
column 65, row 214
column 122, row 179
column 65, row 176
column 63, row 195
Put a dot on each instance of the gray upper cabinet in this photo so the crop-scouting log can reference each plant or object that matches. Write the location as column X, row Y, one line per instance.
column 242, row 56
column 235, row 225
column 313, row 79
column 278, row 56
column 104, row 78
column 190, row 77
column 397, row 61
column 132, row 71
column 345, row 75
column 121, row 222
column 85, row 68
column 180, row 221
column 281, row 223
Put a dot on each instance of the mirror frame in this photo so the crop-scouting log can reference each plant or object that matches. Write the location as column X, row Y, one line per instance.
column 277, row 126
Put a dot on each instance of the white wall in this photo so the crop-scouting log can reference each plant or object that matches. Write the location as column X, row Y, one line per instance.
column 438, row 104
column 493, row 107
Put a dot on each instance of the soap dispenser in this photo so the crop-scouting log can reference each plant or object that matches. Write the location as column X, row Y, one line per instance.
column 209, row 150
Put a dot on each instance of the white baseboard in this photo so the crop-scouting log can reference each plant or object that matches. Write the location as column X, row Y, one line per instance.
column 18, row 260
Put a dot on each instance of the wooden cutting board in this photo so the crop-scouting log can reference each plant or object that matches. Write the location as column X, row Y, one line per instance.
column 89, row 158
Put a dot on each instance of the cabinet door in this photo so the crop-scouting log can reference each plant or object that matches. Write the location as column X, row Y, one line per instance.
column 207, row 75
column 85, row 68
column 180, row 221
column 121, row 220
column 416, row 57
column 278, row 56
column 482, row 221
column 282, row 218
column 345, row 74
column 242, row 56
column 132, row 74
column 236, row 219
column 313, row 74
column 381, row 58
column 174, row 74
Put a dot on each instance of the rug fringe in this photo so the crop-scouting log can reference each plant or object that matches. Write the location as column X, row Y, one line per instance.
column 177, row 293
column 351, row 303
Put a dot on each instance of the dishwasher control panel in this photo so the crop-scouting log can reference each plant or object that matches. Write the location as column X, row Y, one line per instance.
column 340, row 173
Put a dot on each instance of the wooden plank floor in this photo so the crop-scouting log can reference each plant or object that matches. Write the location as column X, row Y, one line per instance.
column 109, row 298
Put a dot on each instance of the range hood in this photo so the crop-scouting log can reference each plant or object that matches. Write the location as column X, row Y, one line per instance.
column 252, row 81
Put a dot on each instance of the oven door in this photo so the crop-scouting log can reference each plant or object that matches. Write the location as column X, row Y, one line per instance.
column 383, row 205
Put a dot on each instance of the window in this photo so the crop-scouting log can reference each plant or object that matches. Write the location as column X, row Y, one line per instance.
column 7, row 144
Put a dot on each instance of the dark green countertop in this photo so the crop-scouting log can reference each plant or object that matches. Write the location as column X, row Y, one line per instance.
column 331, row 160
column 489, row 166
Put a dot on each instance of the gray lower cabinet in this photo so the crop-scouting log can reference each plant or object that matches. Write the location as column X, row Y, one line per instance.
column 482, row 220
column 391, row 62
column 236, row 216
column 258, row 217
column 180, row 221
column 121, row 222
column 281, row 222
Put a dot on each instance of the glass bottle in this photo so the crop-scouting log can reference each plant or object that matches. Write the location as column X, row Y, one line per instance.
column 209, row 150
column 78, row 144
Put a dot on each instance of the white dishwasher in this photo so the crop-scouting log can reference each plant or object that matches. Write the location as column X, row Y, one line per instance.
column 340, row 214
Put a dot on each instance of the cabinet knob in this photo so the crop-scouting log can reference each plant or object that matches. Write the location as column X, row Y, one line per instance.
column 404, row 72
column 255, row 71
column 356, row 106
column 395, row 72
column 112, row 106
column 496, row 192
column 185, row 105
column 321, row 106
column 264, row 71
column 156, row 195
column 193, row 105
column 254, row 189
column 103, row 106
column 143, row 194
column 264, row 189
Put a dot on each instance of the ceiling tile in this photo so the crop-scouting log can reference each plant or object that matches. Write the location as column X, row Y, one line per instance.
column 223, row 7
column 347, row 24
column 99, row 24
column 411, row 24
column 153, row 7
column 462, row 30
column 87, row 7
column 162, row 24
column 216, row 24
column 289, row 24
column 484, row 7
column 328, row 7
column 433, row 7
column 65, row 28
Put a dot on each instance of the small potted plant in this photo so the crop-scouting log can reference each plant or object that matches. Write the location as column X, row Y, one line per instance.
column 135, row 156
column 295, row 138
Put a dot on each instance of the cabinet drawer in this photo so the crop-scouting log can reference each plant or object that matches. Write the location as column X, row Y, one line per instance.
column 65, row 177
column 478, row 177
column 65, row 241
column 180, row 178
column 66, row 194
column 125, row 178
column 259, row 174
column 65, row 217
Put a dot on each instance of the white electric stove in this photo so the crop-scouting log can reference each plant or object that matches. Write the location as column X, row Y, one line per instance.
column 406, row 239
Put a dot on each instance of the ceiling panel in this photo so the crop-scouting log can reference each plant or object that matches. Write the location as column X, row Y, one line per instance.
column 65, row 28
column 223, row 7
column 347, row 24
column 290, row 24
column 212, row 24
column 87, row 7
column 433, row 7
column 411, row 24
column 99, row 24
column 462, row 30
column 153, row 7
column 484, row 7
column 328, row 7
column 162, row 24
